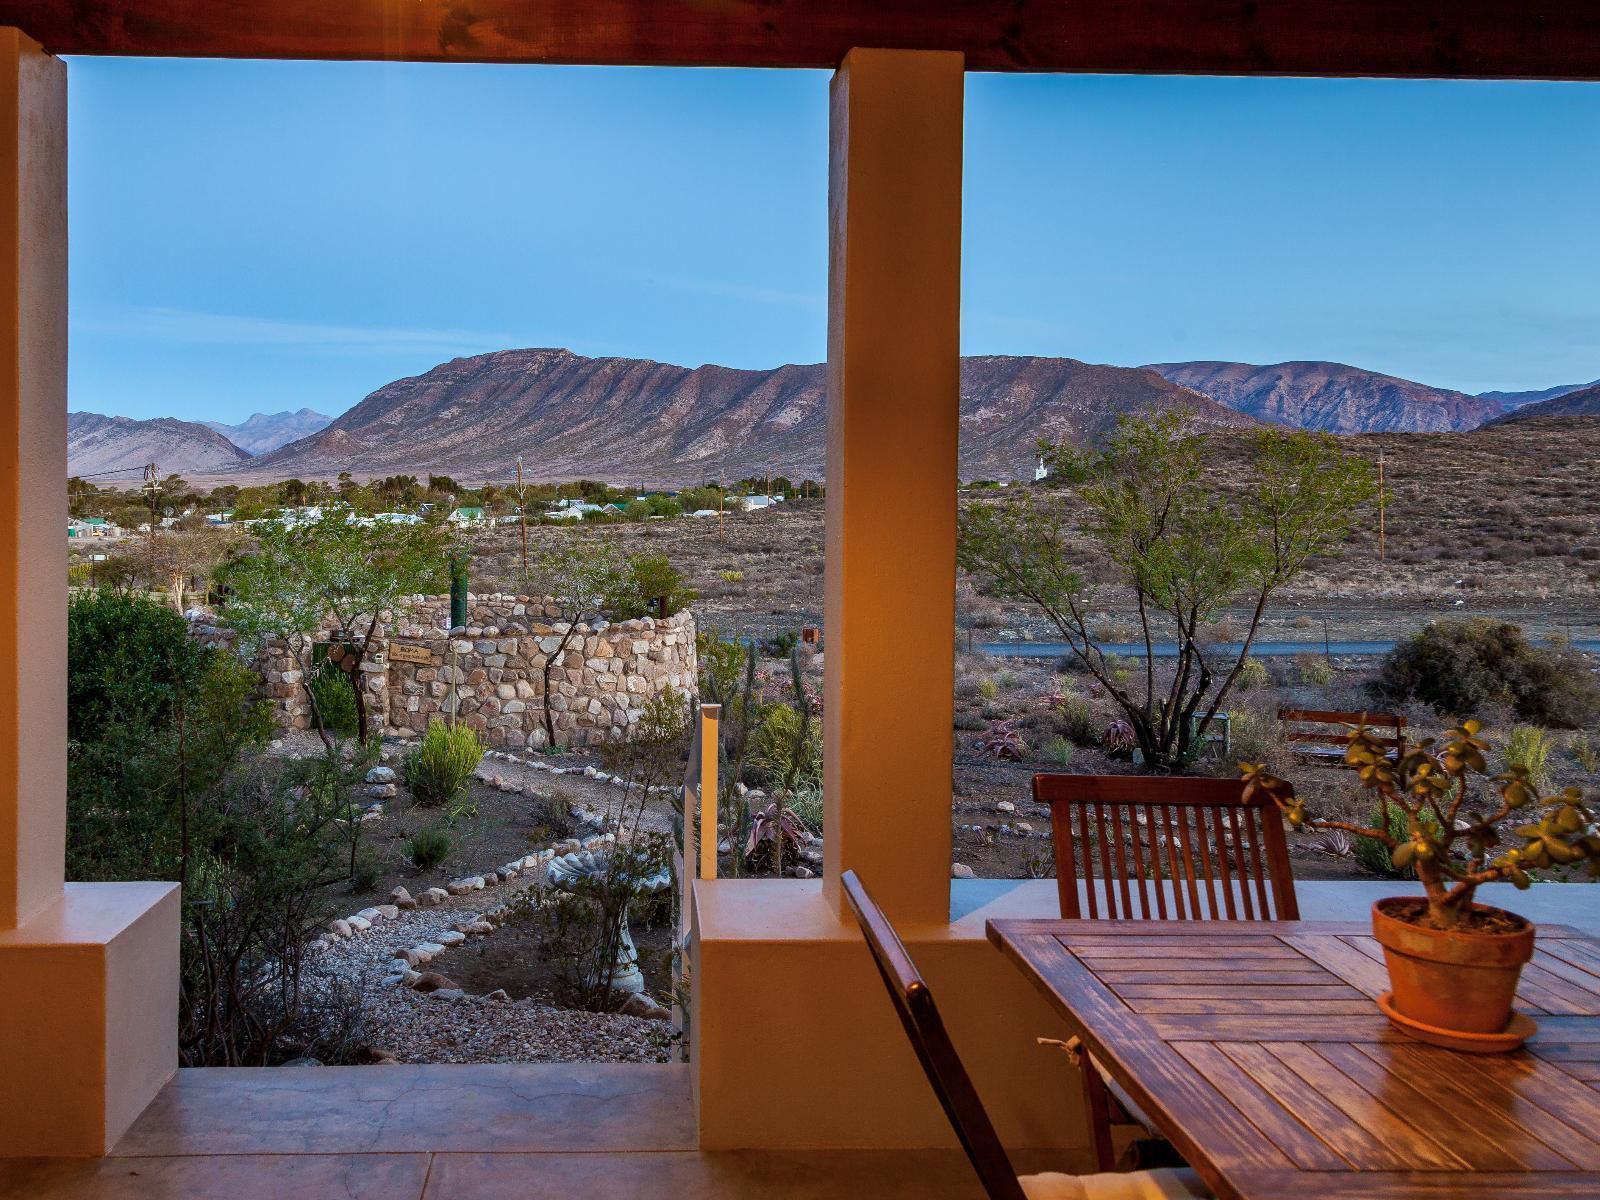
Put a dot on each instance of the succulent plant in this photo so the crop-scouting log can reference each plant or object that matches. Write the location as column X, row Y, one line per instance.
column 1118, row 738
column 1451, row 832
column 1003, row 740
column 774, row 838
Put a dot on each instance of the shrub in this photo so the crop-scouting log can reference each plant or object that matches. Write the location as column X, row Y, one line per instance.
column 806, row 803
column 440, row 766
column 428, row 848
column 154, row 723
column 1529, row 748
column 335, row 700
column 732, row 576
column 1059, row 751
column 1374, row 855
column 1314, row 670
column 788, row 748
column 1253, row 674
column 365, row 872
column 1586, row 752
column 988, row 689
column 1077, row 722
column 1256, row 735
column 646, row 579
column 1461, row 666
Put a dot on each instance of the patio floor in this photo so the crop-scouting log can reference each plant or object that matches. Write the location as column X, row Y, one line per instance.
column 529, row 1131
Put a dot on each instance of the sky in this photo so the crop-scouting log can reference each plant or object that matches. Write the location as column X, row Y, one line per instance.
column 252, row 236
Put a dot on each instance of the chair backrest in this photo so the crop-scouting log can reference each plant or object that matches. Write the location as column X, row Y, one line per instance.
column 1293, row 718
column 1185, row 849
column 914, row 1004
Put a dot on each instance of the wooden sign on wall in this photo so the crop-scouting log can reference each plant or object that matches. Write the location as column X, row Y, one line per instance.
column 399, row 652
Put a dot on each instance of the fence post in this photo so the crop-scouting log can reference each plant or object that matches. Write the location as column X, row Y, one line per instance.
column 710, row 717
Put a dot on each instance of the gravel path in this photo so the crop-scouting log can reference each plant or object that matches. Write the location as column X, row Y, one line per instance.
column 418, row 1028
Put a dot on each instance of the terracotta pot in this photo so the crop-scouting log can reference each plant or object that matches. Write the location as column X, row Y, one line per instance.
column 1452, row 979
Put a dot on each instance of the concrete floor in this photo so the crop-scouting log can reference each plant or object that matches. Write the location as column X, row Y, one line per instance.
column 528, row 1131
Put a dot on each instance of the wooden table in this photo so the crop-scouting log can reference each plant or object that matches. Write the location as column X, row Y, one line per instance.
column 1257, row 1050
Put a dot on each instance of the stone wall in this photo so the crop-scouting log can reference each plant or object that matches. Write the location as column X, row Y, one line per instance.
column 491, row 672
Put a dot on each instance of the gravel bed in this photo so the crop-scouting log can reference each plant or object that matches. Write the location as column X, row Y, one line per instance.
column 419, row 1028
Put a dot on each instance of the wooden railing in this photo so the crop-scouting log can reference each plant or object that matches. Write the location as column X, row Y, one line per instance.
column 697, row 856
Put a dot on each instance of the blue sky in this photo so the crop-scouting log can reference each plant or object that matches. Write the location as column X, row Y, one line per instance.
column 260, row 236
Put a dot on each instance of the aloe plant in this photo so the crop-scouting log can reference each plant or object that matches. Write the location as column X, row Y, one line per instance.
column 1452, row 811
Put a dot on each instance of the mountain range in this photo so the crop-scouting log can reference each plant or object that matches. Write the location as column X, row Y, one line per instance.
column 98, row 445
column 570, row 416
column 1333, row 397
column 1576, row 402
column 618, row 418
column 267, row 431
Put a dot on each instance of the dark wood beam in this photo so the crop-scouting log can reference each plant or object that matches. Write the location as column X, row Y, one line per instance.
column 1539, row 39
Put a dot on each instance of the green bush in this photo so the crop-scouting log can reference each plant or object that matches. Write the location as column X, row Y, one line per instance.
column 1529, row 747
column 1461, row 667
column 438, row 769
column 1077, row 722
column 334, row 698
column 645, row 579
column 1374, row 855
column 156, row 790
column 154, row 723
column 428, row 848
column 1253, row 675
column 1059, row 750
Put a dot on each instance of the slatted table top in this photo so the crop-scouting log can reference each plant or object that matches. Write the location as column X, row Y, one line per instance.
column 1257, row 1049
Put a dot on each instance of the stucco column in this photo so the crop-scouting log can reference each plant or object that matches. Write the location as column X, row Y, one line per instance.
column 88, row 1030
column 894, row 324
column 33, row 471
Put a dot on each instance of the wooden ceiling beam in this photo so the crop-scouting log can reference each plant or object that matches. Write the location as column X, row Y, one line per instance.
column 1531, row 39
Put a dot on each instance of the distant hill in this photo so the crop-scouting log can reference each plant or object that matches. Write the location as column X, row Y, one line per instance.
column 97, row 444
column 621, row 418
column 263, row 432
column 1582, row 402
column 1332, row 397
column 1518, row 399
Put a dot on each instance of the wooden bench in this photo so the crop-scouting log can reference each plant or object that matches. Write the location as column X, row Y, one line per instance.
column 1323, row 745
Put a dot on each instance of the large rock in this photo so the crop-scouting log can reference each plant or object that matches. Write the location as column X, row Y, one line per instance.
column 961, row 871
column 432, row 981
column 381, row 775
column 640, row 1005
column 401, row 898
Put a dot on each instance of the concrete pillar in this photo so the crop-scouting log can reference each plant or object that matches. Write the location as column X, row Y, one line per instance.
column 894, row 324
column 33, row 471
column 88, row 1030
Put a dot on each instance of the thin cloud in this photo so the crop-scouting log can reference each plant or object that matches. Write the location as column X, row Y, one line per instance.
column 229, row 329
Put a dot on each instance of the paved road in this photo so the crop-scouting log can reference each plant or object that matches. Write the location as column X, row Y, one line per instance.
column 1170, row 649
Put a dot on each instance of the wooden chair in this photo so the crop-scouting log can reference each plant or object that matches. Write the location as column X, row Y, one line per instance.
column 1320, row 744
column 1179, row 849
column 914, row 1005
column 1224, row 859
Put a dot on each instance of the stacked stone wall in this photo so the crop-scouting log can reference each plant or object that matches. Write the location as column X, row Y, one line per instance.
column 491, row 672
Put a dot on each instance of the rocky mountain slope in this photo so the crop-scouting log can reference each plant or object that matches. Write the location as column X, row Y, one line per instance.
column 263, row 432
column 1332, row 397
column 1583, row 402
column 1518, row 399
column 629, row 419
column 97, row 444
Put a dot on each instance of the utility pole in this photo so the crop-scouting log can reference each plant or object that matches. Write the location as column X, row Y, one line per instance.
column 1383, row 548
column 152, row 495
column 522, row 518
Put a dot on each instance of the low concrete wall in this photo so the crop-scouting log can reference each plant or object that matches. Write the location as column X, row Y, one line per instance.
column 491, row 672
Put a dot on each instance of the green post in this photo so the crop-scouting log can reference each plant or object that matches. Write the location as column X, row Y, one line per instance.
column 459, row 561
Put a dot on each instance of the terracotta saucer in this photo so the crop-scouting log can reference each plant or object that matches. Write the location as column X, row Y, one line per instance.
column 1518, row 1030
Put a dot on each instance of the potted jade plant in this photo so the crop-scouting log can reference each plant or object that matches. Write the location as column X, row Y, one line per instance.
column 1453, row 964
